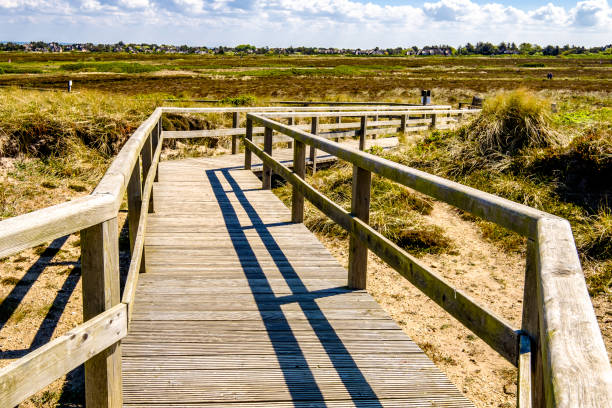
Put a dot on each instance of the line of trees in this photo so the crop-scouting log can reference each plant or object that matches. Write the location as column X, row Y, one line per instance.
column 480, row 48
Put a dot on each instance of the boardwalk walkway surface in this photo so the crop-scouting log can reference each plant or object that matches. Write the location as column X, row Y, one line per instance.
column 241, row 308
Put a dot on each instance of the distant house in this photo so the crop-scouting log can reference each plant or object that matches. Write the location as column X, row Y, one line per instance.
column 444, row 51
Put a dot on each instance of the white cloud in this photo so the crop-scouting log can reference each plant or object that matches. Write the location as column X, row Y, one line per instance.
column 315, row 22
column 592, row 13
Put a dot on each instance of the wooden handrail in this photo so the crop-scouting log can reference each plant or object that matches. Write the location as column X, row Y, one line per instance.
column 31, row 373
column 569, row 366
column 516, row 217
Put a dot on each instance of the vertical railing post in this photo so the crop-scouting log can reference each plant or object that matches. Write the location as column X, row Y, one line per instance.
column 531, row 325
column 338, row 120
column 100, row 272
column 434, row 118
column 146, row 155
column 266, row 177
column 290, row 122
column 134, row 201
column 523, row 392
column 375, row 120
column 249, row 136
column 360, row 207
column 314, row 129
column 363, row 132
column 403, row 120
column 299, row 168
column 235, row 121
column 158, row 140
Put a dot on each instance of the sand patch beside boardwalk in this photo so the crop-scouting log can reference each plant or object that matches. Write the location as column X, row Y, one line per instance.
column 492, row 277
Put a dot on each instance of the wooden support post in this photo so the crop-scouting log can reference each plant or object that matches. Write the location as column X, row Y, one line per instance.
column 360, row 207
column 146, row 156
column 134, row 201
column 434, row 118
column 338, row 119
column 403, row 120
column 314, row 129
column 158, row 140
column 100, row 272
column 531, row 325
column 249, row 136
column 299, row 168
column 235, row 121
column 266, row 177
column 523, row 395
column 290, row 122
column 363, row 132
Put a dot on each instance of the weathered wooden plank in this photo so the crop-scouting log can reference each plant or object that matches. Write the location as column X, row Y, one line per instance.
column 575, row 363
column 360, row 208
column 37, row 227
column 31, row 373
column 524, row 387
column 100, row 280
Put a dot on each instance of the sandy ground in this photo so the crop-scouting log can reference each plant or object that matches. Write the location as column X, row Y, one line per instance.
column 483, row 271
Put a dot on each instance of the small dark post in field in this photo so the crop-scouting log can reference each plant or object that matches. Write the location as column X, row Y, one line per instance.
column 70, row 86
column 235, row 121
column 360, row 207
column 425, row 97
column 314, row 129
column 299, row 168
column 266, row 178
column 249, row 136
column 403, row 120
column 100, row 271
column 363, row 132
column 290, row 122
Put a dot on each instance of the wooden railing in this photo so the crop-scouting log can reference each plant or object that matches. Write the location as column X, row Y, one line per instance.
column 568, row 367
column 96, row 342
column 106, row 318
column 559, row 351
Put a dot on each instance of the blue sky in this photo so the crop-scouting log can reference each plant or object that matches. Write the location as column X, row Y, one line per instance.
column 336, row 23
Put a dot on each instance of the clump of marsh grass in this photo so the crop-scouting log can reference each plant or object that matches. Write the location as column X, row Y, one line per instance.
column 512, row 121
column 40, row 124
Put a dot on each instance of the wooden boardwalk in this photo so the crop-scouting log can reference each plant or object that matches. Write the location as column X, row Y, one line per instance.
column 241, row 308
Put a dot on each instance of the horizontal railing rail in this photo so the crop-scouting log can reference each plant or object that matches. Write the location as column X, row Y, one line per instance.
column 559, row 350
